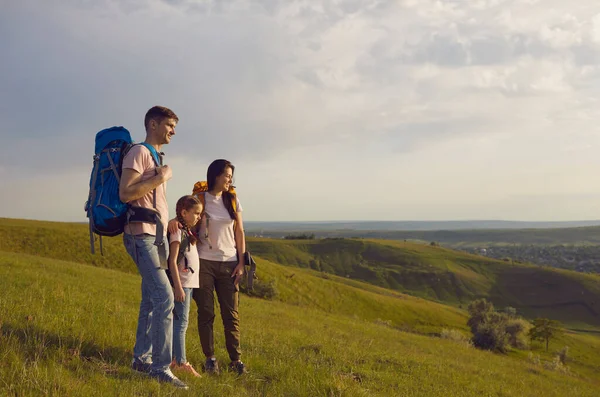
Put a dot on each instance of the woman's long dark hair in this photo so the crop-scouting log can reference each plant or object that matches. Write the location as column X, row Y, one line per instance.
column 215, row 169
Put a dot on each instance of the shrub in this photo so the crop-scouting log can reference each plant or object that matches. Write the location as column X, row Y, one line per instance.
column 517, row 330
column 479, row 313
column 496, row 331
column 510, row 311
column 534, row 358
column 261, row 289
column 563, row 355
column 387, row 323
column 456, row 336
column 556, row 365
column 492, row 334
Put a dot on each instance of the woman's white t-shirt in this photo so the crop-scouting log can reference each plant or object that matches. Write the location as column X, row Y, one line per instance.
column 220, row 231
column 188, row 279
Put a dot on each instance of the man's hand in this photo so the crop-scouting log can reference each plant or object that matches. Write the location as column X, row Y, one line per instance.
column 164, row 172
column 173, row 226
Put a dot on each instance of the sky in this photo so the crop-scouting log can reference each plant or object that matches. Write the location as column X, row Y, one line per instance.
column 330, row 110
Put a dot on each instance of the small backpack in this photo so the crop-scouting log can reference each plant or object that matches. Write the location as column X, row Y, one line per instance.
column 184, row 245
column 106, row 212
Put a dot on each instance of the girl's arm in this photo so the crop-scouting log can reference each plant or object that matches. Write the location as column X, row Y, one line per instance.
column 240, row 244
column 173, row 258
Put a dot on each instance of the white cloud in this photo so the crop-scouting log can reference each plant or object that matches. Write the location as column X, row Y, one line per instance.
column 416, row 98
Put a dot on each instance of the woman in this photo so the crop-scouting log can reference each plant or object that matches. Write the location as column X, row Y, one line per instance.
column 221, row 251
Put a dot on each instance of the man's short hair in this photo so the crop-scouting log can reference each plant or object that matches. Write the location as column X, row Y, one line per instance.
column 159, row 113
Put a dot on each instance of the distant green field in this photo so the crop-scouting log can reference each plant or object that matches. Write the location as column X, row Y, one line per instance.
column 467, row 237
column 67, row 329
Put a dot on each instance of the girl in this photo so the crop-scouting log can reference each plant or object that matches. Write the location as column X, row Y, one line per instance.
column 184, row 268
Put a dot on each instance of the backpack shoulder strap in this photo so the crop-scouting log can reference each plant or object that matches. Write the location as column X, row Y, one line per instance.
column 201, row 196
column 233, row 200
column 158, row 161
column 155, row 155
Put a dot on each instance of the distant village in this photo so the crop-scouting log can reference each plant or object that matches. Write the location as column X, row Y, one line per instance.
column 584, row 258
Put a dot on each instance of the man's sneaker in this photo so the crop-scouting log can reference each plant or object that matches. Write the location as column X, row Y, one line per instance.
column 140, row 366
column 211, row 366
column 168, row 377
column 237, row 366
column 186, row 367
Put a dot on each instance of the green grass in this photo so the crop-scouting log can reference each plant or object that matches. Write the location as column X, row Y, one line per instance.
column 332, row 294
column 67, row 329
column 434, row 273
column 58, row 240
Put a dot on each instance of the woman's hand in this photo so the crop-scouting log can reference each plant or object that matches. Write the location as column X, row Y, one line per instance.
column 174, row 225
column 179, row 294
column 238, row 272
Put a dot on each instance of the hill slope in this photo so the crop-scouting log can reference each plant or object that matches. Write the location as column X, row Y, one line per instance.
column 445, row 275
column 67, row 329
column 434, row 273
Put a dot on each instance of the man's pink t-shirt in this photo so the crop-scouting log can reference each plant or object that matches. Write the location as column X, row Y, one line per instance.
column 140, row 159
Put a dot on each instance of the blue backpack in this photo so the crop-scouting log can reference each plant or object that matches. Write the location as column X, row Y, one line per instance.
column 106, row 212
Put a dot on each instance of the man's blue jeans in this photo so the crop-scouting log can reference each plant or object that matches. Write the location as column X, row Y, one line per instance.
column 180, row 325
column 154, row 335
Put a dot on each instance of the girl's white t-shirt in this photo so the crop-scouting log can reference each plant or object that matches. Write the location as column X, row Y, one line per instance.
column 220, row 231
column 188, row 279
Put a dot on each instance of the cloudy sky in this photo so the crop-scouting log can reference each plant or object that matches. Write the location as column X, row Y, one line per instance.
column 331, row 110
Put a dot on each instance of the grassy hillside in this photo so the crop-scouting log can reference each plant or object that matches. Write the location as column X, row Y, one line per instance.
column 425, row 271
column 445, row 275
column 68, row 241
column 58, row 240
column 67, row 329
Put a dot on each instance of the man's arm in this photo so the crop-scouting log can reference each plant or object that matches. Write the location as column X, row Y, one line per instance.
column 132, row 187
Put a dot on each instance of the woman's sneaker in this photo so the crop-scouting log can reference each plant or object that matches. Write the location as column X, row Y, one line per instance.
column 186, row 367
column 238, row 366
column 211, row 366
column 168, row 377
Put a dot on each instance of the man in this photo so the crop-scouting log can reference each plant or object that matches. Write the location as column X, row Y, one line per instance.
column 143, row 186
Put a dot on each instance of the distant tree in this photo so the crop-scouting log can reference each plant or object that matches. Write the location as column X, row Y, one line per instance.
column 545, row 329
column 304, row 236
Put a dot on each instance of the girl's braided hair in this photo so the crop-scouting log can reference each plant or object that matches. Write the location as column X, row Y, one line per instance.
column 187, row 203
